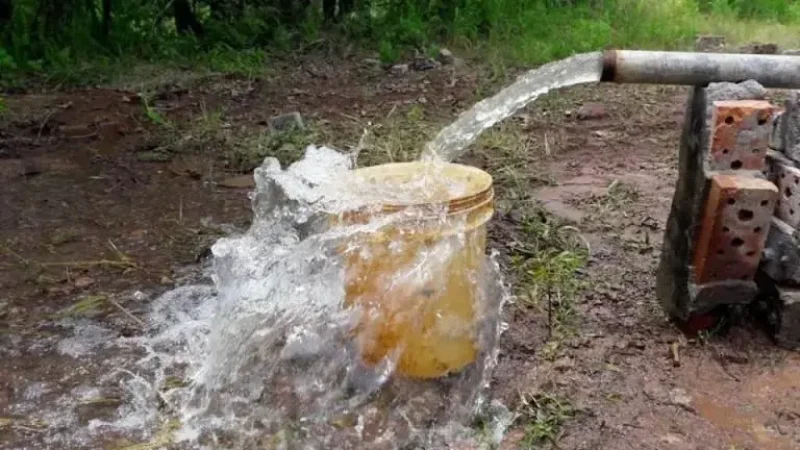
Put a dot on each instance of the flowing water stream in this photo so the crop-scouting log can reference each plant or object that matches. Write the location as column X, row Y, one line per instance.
column 262, row 355
column 454, row 139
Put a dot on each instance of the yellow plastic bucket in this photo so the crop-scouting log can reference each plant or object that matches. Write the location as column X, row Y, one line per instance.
column 415, row 281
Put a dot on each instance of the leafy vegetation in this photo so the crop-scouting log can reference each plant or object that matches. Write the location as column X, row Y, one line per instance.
column 81, row 40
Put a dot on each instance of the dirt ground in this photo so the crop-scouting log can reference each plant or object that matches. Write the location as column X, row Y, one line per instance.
column 107, row 192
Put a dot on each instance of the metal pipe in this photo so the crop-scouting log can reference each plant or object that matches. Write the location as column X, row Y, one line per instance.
column 700, row 69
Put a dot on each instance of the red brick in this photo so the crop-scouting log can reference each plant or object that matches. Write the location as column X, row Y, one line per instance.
column 787, row 178
column 737, row 216
column 741, row 134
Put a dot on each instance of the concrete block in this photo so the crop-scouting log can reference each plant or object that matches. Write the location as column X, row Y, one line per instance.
column 741, row 134
column 788, row 205
column 781, row 256
column 733, row 229
column 705, row 297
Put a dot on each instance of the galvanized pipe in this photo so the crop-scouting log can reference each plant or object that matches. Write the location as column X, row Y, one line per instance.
column 699, row 69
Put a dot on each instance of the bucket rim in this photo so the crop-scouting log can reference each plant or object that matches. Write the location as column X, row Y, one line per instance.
column 479, row 183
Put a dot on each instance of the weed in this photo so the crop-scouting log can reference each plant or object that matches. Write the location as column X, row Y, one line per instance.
column 398, row 138
column 287, row 146
column 542, row 417
column 546, row 257
column 618, row 197
column 152, row 114
column 88, row 306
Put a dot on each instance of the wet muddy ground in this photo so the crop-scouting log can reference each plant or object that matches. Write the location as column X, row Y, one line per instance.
column 111, row 195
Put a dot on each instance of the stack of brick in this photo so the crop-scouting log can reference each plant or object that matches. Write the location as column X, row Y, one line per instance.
column 723, row 206
column 779, row 280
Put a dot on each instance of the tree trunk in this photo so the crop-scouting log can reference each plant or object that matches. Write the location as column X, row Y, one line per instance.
column 329, row 10
column 6, row 12
column 106, row 20
column 185, row 20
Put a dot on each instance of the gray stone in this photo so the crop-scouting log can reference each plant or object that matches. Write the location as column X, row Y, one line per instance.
column 781, row 258
column 423, row 63
column 446, row 57
column 779, row 308
column 592, row 111
column 400, row 69
column 286, row 122
column 704, row 298
column 678, row 296
column 709, row 42
column 759, row 48
column 787, row 328
column 746, row 90
column 674, row 269
column 793, row 52
column 788, row 140
column 775, row 139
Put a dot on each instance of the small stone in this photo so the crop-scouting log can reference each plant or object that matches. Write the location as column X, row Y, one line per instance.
column 239, row 182
column 422, row 64
column 679, row 397
column 166, row 280
column 446, row 57
column 84, row 282
column 592, row 111
column 793, row 52
column 758, row 48
column 671, row 439
column 400, row 69
column 709, row 42
column 286, row 122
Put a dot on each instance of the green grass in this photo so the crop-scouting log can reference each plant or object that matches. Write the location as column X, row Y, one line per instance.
column 519, row 32
column 542, row 417
column 546, row 260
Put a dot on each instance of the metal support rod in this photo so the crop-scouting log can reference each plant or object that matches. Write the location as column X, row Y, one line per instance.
column 699, row 69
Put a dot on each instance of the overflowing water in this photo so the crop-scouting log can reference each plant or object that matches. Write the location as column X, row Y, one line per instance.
column 453, row 139
column 278, row 347
column 270, row 355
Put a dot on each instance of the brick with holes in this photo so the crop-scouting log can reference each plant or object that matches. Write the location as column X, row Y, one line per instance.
column 741, row 133
column 734, row 226
column 787, row 177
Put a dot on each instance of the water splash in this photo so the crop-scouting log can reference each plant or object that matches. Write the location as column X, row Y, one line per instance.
column 453, row 139
column 265, row 357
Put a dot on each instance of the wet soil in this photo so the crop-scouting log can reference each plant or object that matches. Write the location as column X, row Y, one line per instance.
column 91, row 231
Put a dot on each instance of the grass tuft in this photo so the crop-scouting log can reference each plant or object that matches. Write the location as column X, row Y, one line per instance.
column 547, row 258
column 542, row 417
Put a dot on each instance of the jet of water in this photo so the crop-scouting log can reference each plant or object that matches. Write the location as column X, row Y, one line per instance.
column 453, row 139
